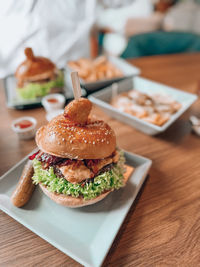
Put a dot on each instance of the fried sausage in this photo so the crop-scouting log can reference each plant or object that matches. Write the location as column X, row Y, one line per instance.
column 25, row 186
column 78, row 110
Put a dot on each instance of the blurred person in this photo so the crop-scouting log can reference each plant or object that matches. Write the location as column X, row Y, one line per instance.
column 67, row 30
column 59, row 30
column 118, row 22
column 163, row 5
column 113, row 15
column 177, row 30
column 184, row 16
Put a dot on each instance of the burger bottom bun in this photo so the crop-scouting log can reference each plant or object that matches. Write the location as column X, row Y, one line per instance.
column 73, row 202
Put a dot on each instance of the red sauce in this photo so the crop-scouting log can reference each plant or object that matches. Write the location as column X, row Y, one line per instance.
column 23, row 124
column 52, row 100
column 34, row 155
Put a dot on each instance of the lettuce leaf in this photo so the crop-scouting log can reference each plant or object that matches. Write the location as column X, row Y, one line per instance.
column 34, row 90
column 109, row 180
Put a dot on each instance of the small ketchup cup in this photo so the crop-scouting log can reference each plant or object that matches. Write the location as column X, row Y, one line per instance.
column 25, row 127
column 53, row 102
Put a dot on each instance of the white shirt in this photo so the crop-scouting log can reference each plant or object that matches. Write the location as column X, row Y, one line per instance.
column 57, row 29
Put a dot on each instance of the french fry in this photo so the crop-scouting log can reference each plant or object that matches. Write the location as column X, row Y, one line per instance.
column 85, row 63
column 109, row 74
column 92, row 77
column 74, row 65
column 100, row 75
column 118, row 72
column 100, row 60
column 83, row 73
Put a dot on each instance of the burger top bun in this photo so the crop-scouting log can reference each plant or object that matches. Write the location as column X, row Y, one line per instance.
column 73, row 135
column 34, row 68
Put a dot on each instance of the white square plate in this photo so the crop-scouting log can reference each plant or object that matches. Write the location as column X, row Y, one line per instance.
column 127, row 69
column 85, row 234
column 103, row 98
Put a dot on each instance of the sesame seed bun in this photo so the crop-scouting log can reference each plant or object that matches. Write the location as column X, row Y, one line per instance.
column 35, row 68
column 73, row 202
column 61, row 138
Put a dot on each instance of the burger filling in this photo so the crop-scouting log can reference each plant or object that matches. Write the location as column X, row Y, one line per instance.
column 32, row 90
column 79, row 178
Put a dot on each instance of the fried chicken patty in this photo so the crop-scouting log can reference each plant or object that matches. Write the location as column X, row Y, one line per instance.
column 76, row 171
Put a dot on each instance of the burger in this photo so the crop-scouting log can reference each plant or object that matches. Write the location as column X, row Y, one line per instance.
column 37, row 77
column 78, row 163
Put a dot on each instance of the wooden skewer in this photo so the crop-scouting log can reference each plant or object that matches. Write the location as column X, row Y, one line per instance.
column 114, row 90
column 76, row 85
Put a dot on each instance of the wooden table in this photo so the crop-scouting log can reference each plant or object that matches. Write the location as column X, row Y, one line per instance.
column 163, row 226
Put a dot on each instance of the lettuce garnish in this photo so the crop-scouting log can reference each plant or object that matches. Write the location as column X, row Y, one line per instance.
column 34, row 90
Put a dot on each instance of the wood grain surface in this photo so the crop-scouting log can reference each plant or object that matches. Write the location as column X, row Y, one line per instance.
column 162, row 227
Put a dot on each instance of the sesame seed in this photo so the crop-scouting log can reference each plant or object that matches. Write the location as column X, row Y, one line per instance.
column 107, row 142
column 71, row 141
column 93, row 142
